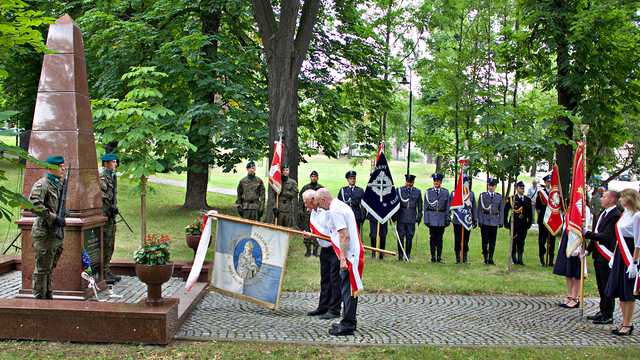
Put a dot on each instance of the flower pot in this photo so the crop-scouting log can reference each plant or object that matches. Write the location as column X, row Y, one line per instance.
column 154, row 276
column 193, row 241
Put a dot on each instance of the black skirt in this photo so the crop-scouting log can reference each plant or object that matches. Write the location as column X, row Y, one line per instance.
column 619, row 285
column 566, row 266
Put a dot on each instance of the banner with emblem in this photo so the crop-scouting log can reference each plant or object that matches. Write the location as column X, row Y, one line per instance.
column 380, row 198
column 461, row 199
column 553, row 214
column 250, row 261
column 576, row 213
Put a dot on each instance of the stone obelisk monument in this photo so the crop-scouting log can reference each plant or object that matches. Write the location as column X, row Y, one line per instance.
column 62, row 125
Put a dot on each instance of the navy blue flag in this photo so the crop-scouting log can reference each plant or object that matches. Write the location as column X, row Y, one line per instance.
column 464, row 213
column 380, row 198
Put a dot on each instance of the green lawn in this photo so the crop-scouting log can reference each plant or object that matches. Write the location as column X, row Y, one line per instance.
column 246, row 350
column 332, row 172
column 166, row 216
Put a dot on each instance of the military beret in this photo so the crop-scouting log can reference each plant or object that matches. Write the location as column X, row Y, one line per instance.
column 547, row 178
column 437, row 176
column 251, row 164
column 109, row 157
column 492, row 181
column 314, row 173
column 520, row 184
column 409, row 177
column 350, row 173
column 466, row 178
column 285, row 165
column 55, row 160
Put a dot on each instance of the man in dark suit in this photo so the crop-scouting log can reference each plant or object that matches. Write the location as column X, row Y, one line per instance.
column 409, row 214
column 520, row 204
column 601, row 246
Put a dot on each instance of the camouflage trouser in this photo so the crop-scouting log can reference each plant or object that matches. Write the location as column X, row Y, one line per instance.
column 286, row 219
column 47, row 251
column 109, row 237
column 250, row 214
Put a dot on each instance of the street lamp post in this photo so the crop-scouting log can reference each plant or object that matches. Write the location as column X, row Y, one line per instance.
column 405, row 82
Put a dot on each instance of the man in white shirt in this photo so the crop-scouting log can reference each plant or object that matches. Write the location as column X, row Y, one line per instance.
column 344, row 231
column 329, row 302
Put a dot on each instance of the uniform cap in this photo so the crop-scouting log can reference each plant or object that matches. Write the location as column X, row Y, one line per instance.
column 55, row 160
column 520, row 184
column 314, row 173
column 492, row 181
column 410, row 178
column 251, row 164
column 350, row 173
column 437, row 176
column 109, row 157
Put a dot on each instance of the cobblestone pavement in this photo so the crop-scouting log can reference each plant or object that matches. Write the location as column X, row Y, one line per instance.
column 128, row 290
column 391, row 319
column 384, row 319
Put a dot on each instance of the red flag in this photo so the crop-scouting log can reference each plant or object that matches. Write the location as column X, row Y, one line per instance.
column 275, row 174
column 553, row 214
column 380, row 151
column 458, row 195
column 576, row 213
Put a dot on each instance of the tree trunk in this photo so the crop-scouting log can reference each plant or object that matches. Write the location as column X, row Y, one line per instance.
column 143, row 209
column 439, row 163
column 197, row 163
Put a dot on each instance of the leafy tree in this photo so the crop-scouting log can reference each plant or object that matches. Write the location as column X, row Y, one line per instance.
column 144, row 129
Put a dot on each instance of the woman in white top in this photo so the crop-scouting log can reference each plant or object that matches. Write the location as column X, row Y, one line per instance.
column 625, row 268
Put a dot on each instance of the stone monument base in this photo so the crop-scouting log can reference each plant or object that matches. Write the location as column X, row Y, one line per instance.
column 93, row 321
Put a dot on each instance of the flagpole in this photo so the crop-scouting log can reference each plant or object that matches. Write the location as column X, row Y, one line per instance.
column 512, row 229
column 377, row 236
column 583, row 263
column 461, row 242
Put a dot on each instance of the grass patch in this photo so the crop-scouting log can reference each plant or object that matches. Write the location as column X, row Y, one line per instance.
column 246, row 350
column 165, row 215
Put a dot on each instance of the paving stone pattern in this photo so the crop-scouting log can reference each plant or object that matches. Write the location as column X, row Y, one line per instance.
column 384, row 319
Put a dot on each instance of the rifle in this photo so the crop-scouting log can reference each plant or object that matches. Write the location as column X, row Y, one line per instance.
column 125, row 222
column 62, row 209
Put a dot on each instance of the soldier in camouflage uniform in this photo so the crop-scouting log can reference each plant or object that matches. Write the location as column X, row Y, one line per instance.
column 109, row 187
column 45, row 196
column 250, row 199
column 309, row 242
column 287, row 210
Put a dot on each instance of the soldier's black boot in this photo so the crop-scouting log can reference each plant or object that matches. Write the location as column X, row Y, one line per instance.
column 315, row 250
column 49, row 293
column 308, row 253
column 457, row 258
column 490, row 262
column 464, row 258
column 520, row 259
column 39, row 286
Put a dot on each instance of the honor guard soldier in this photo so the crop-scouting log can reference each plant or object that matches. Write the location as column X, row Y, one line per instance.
column 287, row 209
column 352, row 196
column 47, row 233
column 436, row 215
column 489, row 219
column 109, row 188
column 520, row 204
column 309, row 242
column 546, row 241
column 250, row 198
column 409, row 214
column 468, row 210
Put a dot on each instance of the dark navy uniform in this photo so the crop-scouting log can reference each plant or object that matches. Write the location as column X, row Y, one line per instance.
column 352, row 196
column 546, row 241
column 522, row 220
column 489, row 219
column 409, row 214
column 436, row 216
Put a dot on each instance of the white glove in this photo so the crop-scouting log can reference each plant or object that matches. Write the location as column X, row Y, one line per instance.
column 212, row 213
column 632, row 271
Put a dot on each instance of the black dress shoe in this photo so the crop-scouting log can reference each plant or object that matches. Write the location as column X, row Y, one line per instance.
column 340, row 331
column 491, row 262
column 603, row 321
column 595, row 317
column 329, row 315
column 433, row 259
column 316, row 312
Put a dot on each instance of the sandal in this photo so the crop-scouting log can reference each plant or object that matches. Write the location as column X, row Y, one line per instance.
column 619, row 331
column 574, row 306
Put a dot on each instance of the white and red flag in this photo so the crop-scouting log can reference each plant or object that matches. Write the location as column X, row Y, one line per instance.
column 275, row 171
column 458, row 199
column 576, row 214
column 553, row 215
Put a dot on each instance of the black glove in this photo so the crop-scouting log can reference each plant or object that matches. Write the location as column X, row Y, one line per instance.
column 115, row 211
column 276, row 212
column 59, row 221
column 588, row 235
